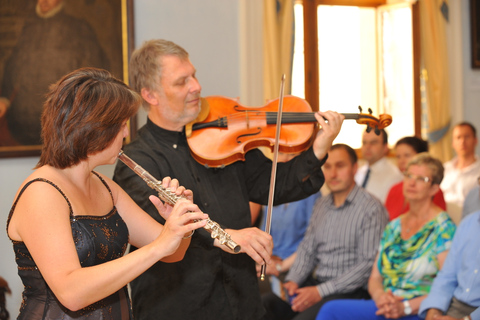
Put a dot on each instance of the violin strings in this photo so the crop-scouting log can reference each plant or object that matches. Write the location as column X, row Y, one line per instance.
column 271, row 117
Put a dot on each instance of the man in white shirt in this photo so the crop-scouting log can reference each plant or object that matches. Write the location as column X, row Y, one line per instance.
column 461, row 173
column 378, row 175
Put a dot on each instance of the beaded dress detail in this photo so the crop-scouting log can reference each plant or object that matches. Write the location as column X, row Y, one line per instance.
column 98, row 239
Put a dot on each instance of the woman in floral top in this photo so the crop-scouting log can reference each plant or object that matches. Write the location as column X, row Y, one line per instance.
column 412, row 251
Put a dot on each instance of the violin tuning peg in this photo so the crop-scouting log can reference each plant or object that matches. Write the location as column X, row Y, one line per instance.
column 370, row 111
column 377, row 131
column 368, row 128
column 360, row 109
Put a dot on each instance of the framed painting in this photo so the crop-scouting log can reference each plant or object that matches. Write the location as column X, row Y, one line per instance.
column 475, row 32
column 40, row 41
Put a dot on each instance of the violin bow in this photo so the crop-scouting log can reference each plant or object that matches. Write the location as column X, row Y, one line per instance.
column 268, row 220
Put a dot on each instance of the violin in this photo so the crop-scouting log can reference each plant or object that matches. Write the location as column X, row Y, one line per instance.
column 225, row 130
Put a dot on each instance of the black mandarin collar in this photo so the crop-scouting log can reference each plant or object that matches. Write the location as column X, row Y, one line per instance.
column 170, row 137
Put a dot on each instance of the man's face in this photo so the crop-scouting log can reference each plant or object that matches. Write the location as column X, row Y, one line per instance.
column 179, row 93
column 47, row 5
column 464, row 142
column 339, row 171
column 373, row 148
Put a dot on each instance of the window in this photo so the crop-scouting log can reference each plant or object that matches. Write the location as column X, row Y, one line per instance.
column 365, row 57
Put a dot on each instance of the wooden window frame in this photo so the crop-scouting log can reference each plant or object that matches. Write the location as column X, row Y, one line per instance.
column 312, row 85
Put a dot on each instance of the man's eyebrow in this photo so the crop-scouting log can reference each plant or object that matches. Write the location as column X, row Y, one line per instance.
column 185, row 76
column 180, row 78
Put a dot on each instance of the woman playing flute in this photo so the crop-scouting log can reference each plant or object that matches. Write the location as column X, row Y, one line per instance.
column 70, row 226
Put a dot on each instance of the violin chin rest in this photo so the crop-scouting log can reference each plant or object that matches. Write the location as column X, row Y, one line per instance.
column 202, row 115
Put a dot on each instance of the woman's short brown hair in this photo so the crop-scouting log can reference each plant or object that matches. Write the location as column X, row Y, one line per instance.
column 82, row 115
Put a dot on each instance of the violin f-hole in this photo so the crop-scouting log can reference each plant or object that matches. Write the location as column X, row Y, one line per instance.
column 239, row 141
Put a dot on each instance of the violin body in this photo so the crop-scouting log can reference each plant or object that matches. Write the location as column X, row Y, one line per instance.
column 225, row 130
column 230, row 129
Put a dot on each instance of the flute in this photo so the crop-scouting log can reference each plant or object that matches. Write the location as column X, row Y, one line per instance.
column 171, row 198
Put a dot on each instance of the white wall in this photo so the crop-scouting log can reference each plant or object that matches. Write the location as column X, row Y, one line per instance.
column 209, row 32
column 471, row 77
column 465, row 81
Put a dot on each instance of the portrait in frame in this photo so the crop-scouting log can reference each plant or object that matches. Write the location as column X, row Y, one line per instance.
column 41, row 41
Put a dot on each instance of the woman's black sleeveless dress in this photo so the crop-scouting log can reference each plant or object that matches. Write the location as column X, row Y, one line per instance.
column 98, row 239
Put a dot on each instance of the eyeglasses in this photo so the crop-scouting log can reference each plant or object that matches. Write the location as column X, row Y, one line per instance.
column 410, row 176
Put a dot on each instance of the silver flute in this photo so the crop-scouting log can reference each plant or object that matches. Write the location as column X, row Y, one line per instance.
column 171, row 198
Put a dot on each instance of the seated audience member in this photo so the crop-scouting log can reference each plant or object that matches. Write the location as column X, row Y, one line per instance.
column 405, row 149
column 472, row 201
column 288, row 226
column 378, row 175
column 461, row 172
column 455, row 292
column 339, row 246
column 412, row 250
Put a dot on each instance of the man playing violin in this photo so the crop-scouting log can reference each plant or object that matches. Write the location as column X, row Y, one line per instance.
column 210, row 282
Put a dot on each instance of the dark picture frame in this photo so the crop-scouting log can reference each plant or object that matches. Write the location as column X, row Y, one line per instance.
column 81, row 33
column 475, row 32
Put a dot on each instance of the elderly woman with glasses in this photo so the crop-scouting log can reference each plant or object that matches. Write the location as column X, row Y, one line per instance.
column 412, row 250
column 405, row 149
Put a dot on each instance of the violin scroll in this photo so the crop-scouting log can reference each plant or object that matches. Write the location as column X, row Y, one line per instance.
column 383, row 121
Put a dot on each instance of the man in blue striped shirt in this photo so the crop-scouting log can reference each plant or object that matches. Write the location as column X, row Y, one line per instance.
column 455, row 292
column 335, row 258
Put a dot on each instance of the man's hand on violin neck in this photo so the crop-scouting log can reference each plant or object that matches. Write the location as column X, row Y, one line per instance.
column 330, row 124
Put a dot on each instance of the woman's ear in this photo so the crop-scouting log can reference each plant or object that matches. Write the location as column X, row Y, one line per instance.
column 434, row 189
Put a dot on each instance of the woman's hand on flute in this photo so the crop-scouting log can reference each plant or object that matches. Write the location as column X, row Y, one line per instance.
column 168, row 183
column 182, row 219
column 254, row 242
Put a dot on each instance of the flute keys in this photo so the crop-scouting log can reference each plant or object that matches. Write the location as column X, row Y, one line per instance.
column 214, row 233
